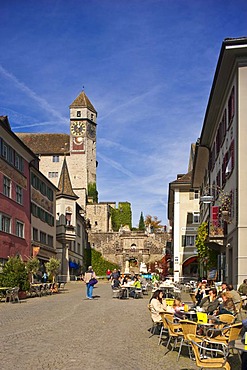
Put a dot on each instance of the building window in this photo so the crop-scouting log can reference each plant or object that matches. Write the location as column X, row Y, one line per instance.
column 42, row 237
column 19, row 162
column 231, row 107
column 35, row 234
column 78, row 230
column 78, row 113
column 68, row 219
column 19, row 229
column 188, row 240
column 5, row 223
column 52, row 174
column 50, row 240
column 196, row 217
column 55, row 158
column 19, row 194
column 6, row 186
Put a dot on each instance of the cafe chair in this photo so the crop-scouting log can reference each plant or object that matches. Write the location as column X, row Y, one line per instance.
column 225, row 319
column 204, row 356
column 224, row 335
column 174, row 330
column 116, row 293
column 12, row 295
column 164, row 327
column 188, row 327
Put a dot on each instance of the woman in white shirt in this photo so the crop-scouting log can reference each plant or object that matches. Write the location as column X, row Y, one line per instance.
column 157, row 304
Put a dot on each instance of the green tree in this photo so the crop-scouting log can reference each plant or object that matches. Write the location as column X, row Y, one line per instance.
column 14, row 274
column 152, row 223
column 52, row 268
column 33, row 266
column 141, row 223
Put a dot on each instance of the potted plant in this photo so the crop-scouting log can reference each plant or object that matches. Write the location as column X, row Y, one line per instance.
column 14, row 274
column 32, row 267
column 52, row 268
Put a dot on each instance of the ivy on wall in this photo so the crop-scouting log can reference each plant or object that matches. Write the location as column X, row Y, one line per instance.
column 206, row 255
column 92, row 191
column 121, row 216
column 100, row 265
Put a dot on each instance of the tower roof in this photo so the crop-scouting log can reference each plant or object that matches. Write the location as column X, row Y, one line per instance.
column 82, row 101
column 64, row 185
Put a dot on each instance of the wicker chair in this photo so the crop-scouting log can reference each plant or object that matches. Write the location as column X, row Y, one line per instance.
column 174, row 330
column 188, row 327
column 204, row 356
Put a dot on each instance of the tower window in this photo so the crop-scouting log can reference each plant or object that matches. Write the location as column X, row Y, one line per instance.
column 55, row 158
column 78, row 113
column 92, row 117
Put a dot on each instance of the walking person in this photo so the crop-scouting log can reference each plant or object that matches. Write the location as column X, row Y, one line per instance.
column 89, row 274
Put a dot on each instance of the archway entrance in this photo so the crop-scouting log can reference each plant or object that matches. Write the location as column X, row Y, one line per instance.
column 190, row 267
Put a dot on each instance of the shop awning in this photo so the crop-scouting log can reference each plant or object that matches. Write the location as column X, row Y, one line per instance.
column 73, row 265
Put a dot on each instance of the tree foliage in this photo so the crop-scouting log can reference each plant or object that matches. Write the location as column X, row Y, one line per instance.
column 52, row 267
column 14, row 274
column 152, row 223
column 33, row 266
column 141, row 223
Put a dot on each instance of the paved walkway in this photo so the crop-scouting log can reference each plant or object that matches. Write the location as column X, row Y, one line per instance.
column 66, row 331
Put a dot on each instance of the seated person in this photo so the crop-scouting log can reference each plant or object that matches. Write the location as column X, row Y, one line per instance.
column 116, row 284
column 157, row 304
column 136, row 285
column 200, row 292
column 234, row 295
column 210, row 303
column 177, row 309
column 227, row 306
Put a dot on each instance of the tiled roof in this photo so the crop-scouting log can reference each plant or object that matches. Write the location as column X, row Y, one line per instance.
column 64, row 185
column 82, row 101
column 46, row 143
column 183, row 178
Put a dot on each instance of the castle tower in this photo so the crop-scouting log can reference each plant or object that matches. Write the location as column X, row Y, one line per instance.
column 82, row 159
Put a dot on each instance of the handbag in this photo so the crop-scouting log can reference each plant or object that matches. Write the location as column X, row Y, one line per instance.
column 92, row 281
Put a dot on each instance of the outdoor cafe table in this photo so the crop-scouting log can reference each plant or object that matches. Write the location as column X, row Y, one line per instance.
column 128, row 288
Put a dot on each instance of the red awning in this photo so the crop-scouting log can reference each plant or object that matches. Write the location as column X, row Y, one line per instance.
column 189, row 261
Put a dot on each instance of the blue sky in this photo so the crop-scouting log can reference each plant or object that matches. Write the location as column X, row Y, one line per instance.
column 146, row 65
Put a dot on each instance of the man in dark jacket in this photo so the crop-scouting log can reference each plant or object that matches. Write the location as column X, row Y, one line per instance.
column 210, row 303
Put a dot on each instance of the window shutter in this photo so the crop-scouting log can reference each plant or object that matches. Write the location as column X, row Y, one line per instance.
column 183, row 240
column 189, row 218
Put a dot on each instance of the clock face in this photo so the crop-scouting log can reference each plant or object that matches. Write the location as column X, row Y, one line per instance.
column 78, row 128
column 91, row 131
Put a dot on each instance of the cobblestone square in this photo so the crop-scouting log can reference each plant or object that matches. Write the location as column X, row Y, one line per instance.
column 66, row 331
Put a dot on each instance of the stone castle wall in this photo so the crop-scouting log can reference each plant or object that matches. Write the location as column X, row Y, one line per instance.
column 126, row 246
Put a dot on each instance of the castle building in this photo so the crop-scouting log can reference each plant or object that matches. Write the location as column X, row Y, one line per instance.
column 79, row 147
column 69, row 162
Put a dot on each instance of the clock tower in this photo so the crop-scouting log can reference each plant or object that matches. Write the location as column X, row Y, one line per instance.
column 82, row 159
